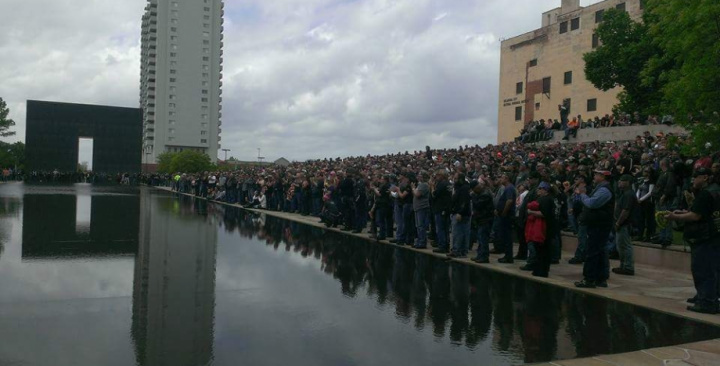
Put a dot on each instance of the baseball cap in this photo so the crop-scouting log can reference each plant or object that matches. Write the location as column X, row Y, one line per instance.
column 701, row 171
column 603, row 172
column 544, row 185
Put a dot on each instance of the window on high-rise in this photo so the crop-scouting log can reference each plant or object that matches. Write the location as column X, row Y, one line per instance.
column 204, row 100
column 206, row 25
column 203, row 141
column 204, row 91
column 207, row 8
column 206, row 34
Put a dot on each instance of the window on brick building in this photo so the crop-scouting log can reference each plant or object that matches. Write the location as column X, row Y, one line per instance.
column 592, row 105
column 546, row 85
column 575, row 24
column 563, row 27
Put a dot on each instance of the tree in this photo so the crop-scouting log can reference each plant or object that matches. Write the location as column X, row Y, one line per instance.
column 189, row 161
column 165, row 162
column 12, row 155
column 688, row 36
column 5, row 122
column 619, row 61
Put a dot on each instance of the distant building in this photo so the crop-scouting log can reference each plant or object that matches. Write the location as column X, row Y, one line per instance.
column 282, row 162
column 181, row 73
column 542, row 68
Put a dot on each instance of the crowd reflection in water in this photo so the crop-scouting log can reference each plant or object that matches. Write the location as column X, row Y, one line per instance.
column 467, row 305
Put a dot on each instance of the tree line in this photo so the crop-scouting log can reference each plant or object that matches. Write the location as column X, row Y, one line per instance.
column 668, row 63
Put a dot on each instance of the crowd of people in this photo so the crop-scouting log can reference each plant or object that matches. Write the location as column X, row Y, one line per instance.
column 451, row 199
column 544, row 130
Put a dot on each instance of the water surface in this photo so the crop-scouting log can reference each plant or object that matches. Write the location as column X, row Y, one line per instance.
column 128, row 276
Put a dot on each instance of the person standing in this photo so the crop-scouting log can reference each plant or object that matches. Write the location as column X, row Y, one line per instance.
column 421, row 206
column 624, row 207
column 546, row 211
column 702, row 232
column 533, row 180
column 666, row 194
column 347, row 200
column 645, row 192
column 382, row 205
column 599, row 220
column 505, row 210
column 441, row 203
column 460, row 211
column 482, row 211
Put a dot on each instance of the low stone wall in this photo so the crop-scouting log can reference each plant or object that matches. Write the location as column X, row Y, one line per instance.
column 625, row 133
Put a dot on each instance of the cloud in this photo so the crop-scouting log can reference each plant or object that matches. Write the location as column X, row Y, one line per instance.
column 303, row 78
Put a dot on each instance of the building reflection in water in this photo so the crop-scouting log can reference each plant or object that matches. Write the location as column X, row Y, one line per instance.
column 82, row 225
column 467, row 305
column 174, row 286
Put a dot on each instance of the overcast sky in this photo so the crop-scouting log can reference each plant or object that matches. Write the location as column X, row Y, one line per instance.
column 302, row 78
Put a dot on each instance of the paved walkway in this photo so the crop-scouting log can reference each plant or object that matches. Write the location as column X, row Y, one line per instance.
column 657, row 288
column 697, row 354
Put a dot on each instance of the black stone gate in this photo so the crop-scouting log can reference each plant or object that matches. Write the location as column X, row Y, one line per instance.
column 53, row 130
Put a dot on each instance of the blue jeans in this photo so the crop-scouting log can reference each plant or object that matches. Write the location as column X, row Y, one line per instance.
column 399, row 223
column 625, row 248
column 441, row 229
column 460, row 235
column 380, row 221
column 582, row 242
column 483, row 235
column 422, row 222
column 666, row 234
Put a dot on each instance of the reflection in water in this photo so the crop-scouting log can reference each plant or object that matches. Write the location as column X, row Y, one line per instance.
column 65, row 225
column 174, row 286
column 195, row 294
column 467, row 305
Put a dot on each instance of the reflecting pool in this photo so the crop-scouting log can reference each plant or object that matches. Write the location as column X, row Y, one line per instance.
column 135, row 276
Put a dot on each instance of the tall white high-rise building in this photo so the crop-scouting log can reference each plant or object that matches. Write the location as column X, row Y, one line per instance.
column 181, row 77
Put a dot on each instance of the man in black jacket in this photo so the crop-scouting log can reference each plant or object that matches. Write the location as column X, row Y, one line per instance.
column 482, row 211
column 347, row 199
column 460, row 212
column 441, row 202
